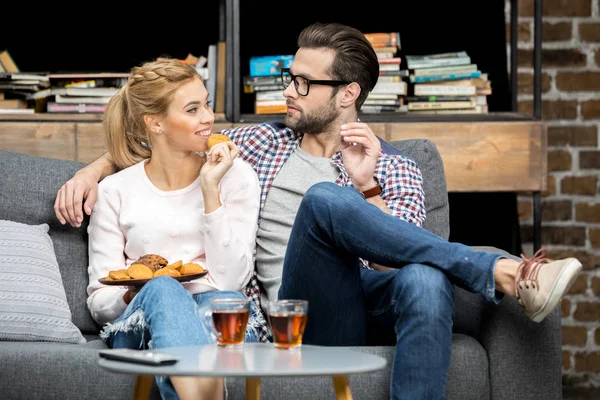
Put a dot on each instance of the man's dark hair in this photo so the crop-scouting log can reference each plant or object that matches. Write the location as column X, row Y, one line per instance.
column 355, row 59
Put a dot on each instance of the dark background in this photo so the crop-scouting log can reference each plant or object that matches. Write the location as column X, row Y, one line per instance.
column 108, row 38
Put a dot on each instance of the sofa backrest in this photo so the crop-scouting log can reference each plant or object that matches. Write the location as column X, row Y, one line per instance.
column 28, row 187
column 425, row 153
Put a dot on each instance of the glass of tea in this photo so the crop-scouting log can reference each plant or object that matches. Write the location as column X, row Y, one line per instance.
column 288, row 320
column 227, row 319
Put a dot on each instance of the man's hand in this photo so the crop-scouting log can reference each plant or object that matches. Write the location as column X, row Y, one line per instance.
column 360, row 154
column 69, row 204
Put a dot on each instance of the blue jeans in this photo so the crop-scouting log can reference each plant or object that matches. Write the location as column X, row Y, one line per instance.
column 164, row 314
column 410, row 306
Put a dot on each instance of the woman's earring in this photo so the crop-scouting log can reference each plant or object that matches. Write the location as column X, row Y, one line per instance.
column 161, row 132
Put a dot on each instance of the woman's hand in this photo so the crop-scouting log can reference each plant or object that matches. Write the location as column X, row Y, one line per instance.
column 219, row 160
column 130, row 294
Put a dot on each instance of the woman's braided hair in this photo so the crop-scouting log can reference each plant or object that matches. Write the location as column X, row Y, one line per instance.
column 148, row 91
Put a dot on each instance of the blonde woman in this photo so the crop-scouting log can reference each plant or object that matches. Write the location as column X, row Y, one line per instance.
column 176, row 198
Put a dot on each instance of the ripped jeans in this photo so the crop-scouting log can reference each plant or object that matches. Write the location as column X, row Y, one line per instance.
column 164, row 314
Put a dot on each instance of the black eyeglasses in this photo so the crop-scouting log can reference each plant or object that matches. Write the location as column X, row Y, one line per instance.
column 302, row 84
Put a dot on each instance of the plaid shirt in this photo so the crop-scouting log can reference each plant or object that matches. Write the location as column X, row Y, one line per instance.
column 268, row 146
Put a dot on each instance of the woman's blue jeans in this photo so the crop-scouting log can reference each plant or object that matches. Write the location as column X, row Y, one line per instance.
column 410, row 306
column 164, row 314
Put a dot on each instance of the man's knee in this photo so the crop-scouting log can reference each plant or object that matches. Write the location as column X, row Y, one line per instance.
column 327, row 195
column 424, row 289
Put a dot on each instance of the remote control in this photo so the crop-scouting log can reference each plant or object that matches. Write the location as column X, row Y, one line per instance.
column 139, row 356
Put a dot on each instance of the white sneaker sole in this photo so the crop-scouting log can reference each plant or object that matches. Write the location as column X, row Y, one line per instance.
column 563, row 284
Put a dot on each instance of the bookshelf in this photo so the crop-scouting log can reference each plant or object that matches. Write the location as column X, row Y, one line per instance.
column 273, row 28
column 249, row 41
column 247, row 33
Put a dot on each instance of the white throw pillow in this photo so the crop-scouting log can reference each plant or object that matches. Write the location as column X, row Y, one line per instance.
column 33, row 303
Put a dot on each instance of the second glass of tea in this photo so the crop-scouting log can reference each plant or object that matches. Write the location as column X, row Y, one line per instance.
column 228, row 318
column 288, row 320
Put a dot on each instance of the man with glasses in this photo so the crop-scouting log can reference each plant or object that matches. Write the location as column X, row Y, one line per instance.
column 340, row 223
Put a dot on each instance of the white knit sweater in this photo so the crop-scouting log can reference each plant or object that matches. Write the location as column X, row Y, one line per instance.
column 132, row 217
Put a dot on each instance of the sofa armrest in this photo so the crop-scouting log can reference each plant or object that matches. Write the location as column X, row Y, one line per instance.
column 525, row 357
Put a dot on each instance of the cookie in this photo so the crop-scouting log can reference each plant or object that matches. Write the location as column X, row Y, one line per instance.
column 140, row 271
column 176, row 265
column 191, row 268
column 118, row 274
column 167, row 271
column 153, row 261
column 217, row 138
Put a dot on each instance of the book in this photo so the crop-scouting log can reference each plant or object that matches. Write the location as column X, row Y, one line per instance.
column 424, row 89
column 437, row 60
column 13, row 104
column 422, row 99
column 269, row 65
column 77, row 91
column 474, row 110
column 399, row 88
column 389, row 67
column 17, row 111
column 270, row 95
column 81, row 99
column 384, row 39
column 376, row 109
column 398, row 72
column 445, row 77
column 7, row 62
column 79, row 108
column 270, row 107
column 440, row 105
column 389, row 60
column 21, row 76
column 221, row 68
column 211, row 84
column 452, row 69
column 383, row 102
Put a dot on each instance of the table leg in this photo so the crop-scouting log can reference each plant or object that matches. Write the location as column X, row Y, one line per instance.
column 342, row 387
column 252, row 388
column 143, row 385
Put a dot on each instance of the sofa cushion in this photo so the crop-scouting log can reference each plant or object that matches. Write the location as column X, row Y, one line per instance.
column 33, row 303
column 41, row 371
column 29, row 186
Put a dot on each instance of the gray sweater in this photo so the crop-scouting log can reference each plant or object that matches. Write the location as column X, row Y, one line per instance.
column 300, row 172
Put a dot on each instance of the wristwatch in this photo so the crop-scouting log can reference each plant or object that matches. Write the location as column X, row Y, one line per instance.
column 374, row 191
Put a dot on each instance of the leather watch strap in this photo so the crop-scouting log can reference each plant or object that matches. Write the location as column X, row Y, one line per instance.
column 374, row 191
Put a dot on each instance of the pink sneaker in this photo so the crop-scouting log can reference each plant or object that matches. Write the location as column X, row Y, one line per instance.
column 541, row 283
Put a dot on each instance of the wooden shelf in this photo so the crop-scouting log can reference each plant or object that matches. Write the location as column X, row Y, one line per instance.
column 56, row 117
column 410, row 117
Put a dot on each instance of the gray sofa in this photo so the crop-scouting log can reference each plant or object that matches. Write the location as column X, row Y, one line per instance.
column 497, row 353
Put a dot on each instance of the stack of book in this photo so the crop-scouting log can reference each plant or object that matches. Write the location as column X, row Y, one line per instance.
column 264, row 82
column 81, row 93
column 390, row 90
column 17, row 86
column 447, row 83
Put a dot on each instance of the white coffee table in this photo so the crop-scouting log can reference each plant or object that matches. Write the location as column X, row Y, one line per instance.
column 254, row 361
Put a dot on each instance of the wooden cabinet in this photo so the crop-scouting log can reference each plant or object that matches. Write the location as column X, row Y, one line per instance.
column 479, row 156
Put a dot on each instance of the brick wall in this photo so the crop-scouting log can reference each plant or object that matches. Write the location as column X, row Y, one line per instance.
column 571, row 205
